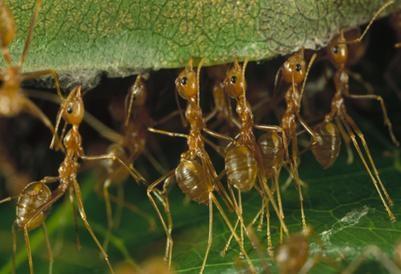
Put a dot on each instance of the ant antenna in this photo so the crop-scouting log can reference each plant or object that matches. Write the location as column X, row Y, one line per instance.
column 198, row 78
column 311, row 61
column 365, row 31
column 131, row 100
column 244, row 65
column 30, row 31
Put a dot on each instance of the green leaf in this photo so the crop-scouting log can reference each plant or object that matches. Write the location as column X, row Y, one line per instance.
column 122, row 36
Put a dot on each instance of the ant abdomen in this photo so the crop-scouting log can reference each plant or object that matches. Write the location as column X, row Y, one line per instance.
column 31, row 198
column 241, row 167
column 272, row 149
column 327, row 148
column 190, row 175
column 117, row 173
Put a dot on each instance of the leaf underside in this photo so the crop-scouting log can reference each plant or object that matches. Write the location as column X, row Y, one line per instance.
column 124, row 36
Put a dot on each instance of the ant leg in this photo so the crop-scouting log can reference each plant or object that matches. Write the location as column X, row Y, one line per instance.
column 298, row 182
column 49, row 72
column 228, row 223
column 270, row 198
column 14, row 236
column 133, row 172
column 168, row 133
column 268, row 232
column 378, row 184
column 82, row 212
column 28, row 39
column 218, row 135
column 75, row 218
column 109, row 213
column 210, row 235
column 347, row 141
column 279, row 200
column 167, row 229
column 387, row 121
column 49, row 248
column 238, row 211
column 154, row 162
column 358, row 133
column 28, row 249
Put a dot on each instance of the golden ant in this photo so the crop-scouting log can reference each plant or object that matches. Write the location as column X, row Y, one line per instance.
column 149, row 266
column 72, row 111
column 243, row 158
column 12, row 99
column 293, row 256
column 195, row 174
column 275, row 148
column 338, row 123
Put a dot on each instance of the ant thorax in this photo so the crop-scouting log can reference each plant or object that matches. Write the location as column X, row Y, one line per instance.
column 73, row 143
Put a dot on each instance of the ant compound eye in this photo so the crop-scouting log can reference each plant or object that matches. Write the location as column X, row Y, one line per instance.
column 184, row 80
column 69, row 109
column 298, row 67
column 233, row 79
column 335, row 49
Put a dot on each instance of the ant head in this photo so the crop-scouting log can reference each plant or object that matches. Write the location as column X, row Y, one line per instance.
column 294, row 68
column 234, row 83
column 186, row 83
column 73, row 107
column 7, row 25
column 338, row 50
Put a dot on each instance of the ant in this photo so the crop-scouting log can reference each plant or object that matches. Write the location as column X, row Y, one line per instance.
column 12, row 100
column 33, row 196
column 243, row 158
column 276, row 148
column 195, row 173
column 72, row 111
column 338, row 121
column 293, row 256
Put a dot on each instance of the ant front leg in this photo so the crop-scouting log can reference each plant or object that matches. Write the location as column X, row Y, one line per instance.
column 109, row 214
column 82, row 212
column 387, row 121
column 133, row 172
column 162, row 197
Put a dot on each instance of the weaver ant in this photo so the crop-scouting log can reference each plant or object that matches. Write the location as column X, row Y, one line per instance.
column 276, row 148
column 338, row 123
column 243, row 158
column 12, row 99
column 195, row 174
column 72, row 111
